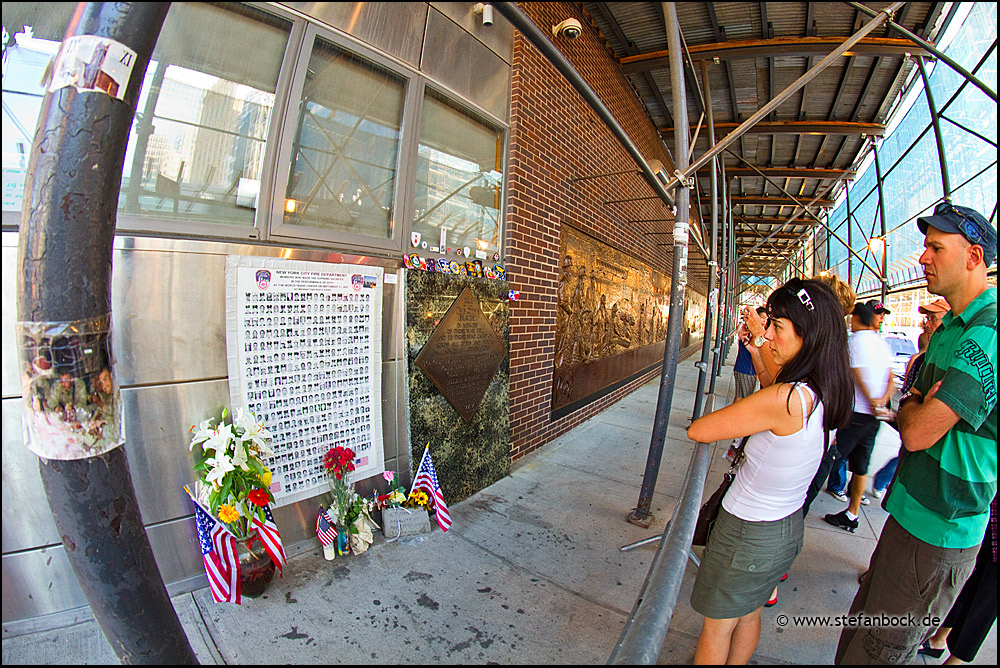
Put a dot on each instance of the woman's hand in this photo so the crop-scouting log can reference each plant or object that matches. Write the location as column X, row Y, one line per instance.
column 754, row 322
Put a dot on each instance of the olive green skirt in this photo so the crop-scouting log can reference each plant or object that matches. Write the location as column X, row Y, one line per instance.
column 743, row 562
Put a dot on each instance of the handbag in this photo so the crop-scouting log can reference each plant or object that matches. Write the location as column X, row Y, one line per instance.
column 710, row 510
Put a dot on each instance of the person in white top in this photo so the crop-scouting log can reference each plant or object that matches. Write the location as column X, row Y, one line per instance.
column 871, row 364
column 760, row 527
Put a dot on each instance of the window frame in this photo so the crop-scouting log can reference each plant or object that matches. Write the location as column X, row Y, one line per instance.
column 277, row 229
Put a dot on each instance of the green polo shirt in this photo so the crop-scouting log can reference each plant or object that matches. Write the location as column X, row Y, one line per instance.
column 942, row 495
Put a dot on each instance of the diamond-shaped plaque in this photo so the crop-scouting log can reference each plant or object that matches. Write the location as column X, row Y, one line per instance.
column 462, row 355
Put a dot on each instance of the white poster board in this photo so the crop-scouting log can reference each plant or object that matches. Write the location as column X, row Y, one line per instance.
column 304, row 343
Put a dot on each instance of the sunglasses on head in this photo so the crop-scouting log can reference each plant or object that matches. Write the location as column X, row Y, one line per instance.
column 801, row 293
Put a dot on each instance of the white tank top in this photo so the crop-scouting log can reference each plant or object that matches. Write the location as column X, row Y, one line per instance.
column 776, row 471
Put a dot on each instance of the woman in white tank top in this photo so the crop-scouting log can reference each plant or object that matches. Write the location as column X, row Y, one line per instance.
column 759, row 531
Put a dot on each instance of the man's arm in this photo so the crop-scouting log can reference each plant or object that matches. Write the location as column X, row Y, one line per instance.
column 924, row 421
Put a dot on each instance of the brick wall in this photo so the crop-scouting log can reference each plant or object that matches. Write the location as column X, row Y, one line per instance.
column 555, row 136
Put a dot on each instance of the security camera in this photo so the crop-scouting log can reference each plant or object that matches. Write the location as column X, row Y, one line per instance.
column 570, row 29
column 487, row 12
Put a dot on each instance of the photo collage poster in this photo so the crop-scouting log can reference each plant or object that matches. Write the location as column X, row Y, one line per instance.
column 304, row 343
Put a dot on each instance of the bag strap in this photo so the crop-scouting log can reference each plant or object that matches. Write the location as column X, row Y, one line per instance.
column 738, row 457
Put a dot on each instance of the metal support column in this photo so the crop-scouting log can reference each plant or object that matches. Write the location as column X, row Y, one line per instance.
column 936, row 123
column 881, row 214
column 850, row 224
column 678, row 280
column 64, row 273
column 705, row 366
column 646, row 628
column 725, row 285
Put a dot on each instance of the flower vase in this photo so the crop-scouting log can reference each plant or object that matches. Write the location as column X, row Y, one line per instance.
column 343, row 543
column 256, row 567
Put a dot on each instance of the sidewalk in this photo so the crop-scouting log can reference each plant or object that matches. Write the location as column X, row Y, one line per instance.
column 529, row 573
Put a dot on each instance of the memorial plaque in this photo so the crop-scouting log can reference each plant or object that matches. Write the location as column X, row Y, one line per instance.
column 462, row 355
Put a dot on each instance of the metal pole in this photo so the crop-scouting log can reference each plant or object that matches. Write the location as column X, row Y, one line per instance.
column 646, row 628
column 850, row 264
column 538, row 39
column 784, row 95
column 711, row 315
column 933, row 49
column 724, row 287
column 641, row 515
column 64, row 270
column 936, row 122
column 881, row 214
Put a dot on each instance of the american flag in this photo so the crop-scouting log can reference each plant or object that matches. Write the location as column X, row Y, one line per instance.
column 427, row 479
column 268, row 532
column 218, row 551
column 325, row 530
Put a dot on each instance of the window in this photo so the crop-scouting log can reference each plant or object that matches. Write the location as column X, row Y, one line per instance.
column 196, row 150
column 459, row 183
column 346, row 147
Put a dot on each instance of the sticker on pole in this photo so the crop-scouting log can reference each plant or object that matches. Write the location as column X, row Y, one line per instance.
column 93, row 64
column 72, row 404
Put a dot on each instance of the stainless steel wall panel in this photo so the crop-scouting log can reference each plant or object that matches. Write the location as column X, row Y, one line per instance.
column 499, row 37
column 10, row 373
column 157, row 420
column 168, row 313
column 27, row 520
column 39, row 582
column 394, row 27
column 465, row 65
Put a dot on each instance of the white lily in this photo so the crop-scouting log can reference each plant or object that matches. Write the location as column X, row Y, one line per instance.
column 240, row 454
column 221, row 465
column 220, row 438
column 253, row 431
column 203, row 434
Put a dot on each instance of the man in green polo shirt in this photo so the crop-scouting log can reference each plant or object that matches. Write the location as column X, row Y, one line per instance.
column 939, row 503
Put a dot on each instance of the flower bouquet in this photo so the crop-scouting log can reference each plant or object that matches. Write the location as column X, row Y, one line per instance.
column 350, row 510
column 233, row 486
column 403, row 515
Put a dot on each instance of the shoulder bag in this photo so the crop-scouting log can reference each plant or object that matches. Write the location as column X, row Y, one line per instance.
column 710, row 510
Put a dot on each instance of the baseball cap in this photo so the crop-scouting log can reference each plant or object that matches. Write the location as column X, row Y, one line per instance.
column 877, row 307
column 865, row 313
column 936, row 306
column 965, row 221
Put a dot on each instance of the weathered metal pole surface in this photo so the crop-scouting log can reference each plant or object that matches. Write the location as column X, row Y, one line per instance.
column 678, row 280
column 64, row 271
column 936, row 123
column 881, row 214
column 705, row 366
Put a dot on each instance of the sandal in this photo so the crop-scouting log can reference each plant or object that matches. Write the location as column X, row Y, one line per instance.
column 773, row 602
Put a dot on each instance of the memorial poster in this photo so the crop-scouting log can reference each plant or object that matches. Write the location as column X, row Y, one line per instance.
column 304, row 344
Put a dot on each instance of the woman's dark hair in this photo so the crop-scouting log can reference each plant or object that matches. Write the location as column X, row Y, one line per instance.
column 822, row 363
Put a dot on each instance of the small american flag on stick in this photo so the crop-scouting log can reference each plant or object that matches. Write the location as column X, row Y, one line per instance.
column 427, row 479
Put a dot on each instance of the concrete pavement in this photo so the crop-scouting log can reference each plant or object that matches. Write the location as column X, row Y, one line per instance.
column 530, row 572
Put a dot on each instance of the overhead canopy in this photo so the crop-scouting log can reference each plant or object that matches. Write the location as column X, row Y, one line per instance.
column 755, row 50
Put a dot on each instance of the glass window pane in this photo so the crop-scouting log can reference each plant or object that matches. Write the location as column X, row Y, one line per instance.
column 196, row 150
column 343, row 165
column 459, row 183
column 32, row 33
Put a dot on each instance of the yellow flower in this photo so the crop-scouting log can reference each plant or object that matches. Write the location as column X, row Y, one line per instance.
column 228, row 514
column 419, row 497
column 266, row 478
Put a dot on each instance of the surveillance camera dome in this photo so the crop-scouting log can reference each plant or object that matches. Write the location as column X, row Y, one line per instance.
column 570, row 29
